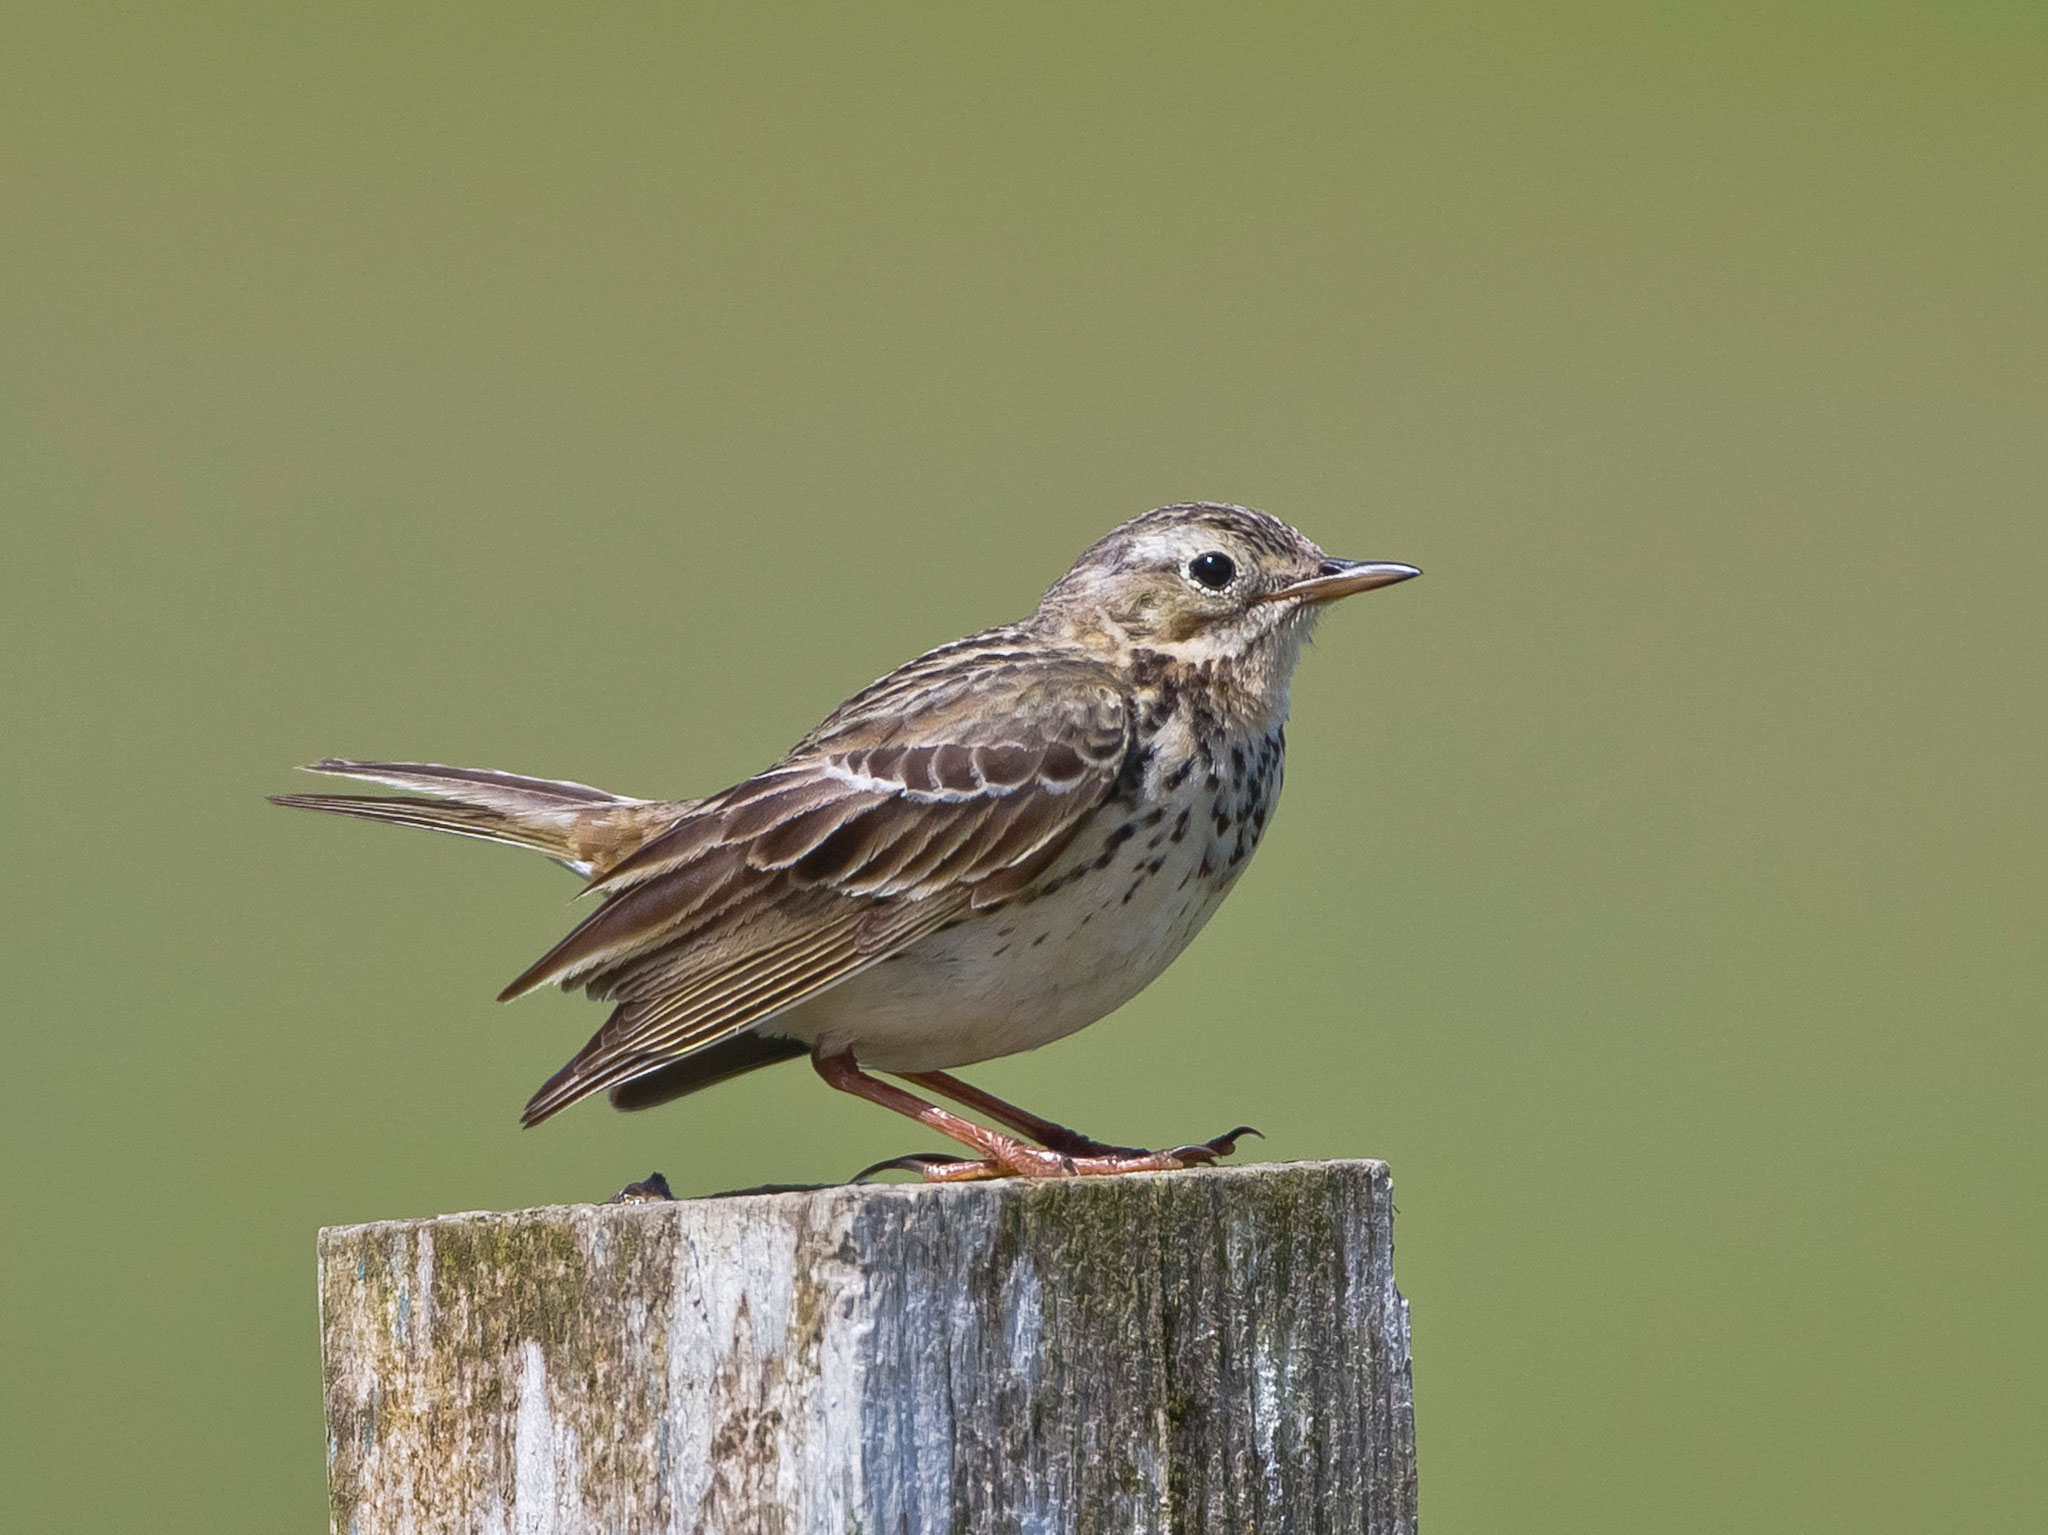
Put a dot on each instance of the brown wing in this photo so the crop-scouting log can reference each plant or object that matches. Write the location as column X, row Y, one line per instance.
column 883, row 828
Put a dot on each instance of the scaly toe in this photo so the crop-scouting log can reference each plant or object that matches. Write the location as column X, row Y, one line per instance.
column 1085, row 1150
column 932, row 1166
column 960, row 1170
column 1088, row 1146
column 1029, row 1162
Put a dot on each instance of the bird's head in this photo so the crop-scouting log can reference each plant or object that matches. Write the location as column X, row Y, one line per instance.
column 1205, row 583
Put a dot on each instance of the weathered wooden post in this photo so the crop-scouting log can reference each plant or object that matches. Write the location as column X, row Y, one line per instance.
column 1201, row 1351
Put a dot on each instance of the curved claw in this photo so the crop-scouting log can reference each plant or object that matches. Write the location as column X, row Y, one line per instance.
column 1221, row 1146
column 923, row 1163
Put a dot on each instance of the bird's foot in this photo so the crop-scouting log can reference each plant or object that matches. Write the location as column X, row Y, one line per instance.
column 1116, row 1160
column 648, row 1190
column 1017, row 1160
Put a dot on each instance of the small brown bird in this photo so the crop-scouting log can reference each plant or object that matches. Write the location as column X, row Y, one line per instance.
column 986, row 850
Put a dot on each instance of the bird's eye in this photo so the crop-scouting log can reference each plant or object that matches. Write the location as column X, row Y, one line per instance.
column 1213, row 570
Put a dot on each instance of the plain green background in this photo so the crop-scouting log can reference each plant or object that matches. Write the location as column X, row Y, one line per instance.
column 607, row 391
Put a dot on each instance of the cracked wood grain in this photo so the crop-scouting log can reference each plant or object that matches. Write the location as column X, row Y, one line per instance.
column 1214, row 1350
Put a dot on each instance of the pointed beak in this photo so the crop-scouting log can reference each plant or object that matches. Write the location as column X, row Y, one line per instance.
column 1342, row 578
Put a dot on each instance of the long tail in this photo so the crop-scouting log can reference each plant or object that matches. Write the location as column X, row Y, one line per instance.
column 583, row 828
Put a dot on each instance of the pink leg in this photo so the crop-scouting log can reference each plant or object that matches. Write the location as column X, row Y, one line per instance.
column 1003, row 1153
column 1054, row 1137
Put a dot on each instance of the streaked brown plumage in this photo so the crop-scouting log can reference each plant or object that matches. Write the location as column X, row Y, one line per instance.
column 986, row 849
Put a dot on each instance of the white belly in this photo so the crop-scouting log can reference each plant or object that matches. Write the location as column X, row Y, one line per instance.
column 1035, row 971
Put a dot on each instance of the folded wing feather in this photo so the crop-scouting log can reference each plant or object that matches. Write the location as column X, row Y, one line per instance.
column 878, row 831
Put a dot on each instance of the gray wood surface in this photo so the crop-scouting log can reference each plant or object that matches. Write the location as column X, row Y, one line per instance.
column 1201, row 1351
